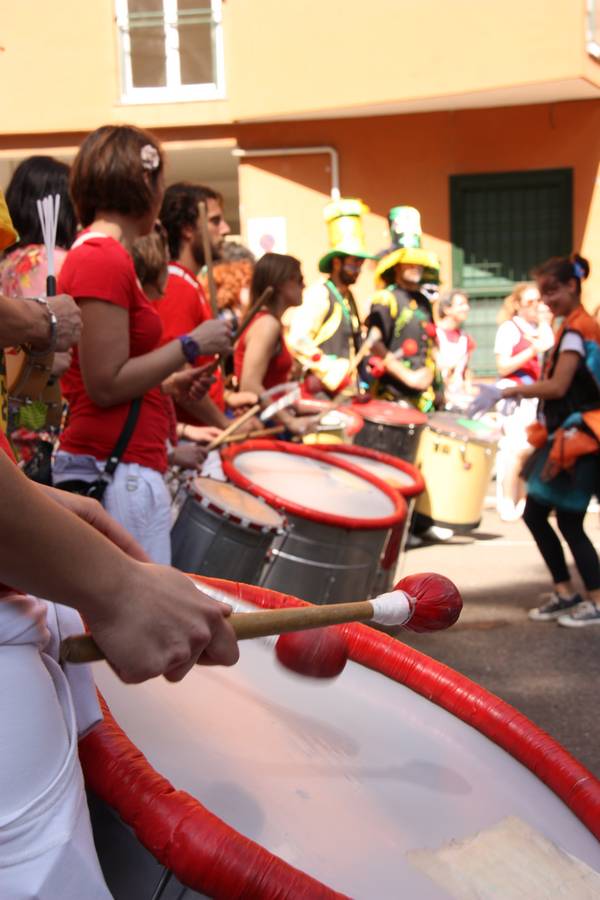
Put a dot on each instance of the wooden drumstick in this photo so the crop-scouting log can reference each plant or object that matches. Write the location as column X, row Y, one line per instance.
column 394, row 608
column 222, row 438
column 252, row 435
column 254, row 309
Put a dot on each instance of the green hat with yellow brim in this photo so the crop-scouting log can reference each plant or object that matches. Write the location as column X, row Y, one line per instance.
column 407, row 256
column 344, row 227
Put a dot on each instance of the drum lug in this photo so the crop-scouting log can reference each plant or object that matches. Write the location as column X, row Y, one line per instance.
column 463, row 455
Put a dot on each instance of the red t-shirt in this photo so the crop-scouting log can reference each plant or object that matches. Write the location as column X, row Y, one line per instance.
column 280, row 365
column 98, row 266
column 182, row 308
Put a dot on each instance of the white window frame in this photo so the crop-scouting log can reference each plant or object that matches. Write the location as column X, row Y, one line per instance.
column 173, row 91
column 592, row 45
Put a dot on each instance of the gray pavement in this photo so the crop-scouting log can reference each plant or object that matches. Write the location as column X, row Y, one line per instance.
column 549, row 673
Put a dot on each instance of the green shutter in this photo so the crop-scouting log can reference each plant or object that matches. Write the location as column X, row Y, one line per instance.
column 502, row 225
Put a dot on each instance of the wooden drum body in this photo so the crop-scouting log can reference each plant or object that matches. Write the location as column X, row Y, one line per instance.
column 390, row 428
column 338, row 518
column 222, row 529
column 456, row 459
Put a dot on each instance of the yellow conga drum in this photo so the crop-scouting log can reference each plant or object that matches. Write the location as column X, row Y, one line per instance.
column 456, row 457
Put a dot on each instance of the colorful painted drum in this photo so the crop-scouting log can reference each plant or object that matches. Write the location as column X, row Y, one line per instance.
column 390, row 428
column 399, row 778
column 222, row 529
column 338, row 426
column 338, row 518
column 456, row 457
column 402, row 477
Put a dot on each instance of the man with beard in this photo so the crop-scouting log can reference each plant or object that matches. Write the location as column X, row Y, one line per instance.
column 325, row 333
column 401, row 321
column 184, row 304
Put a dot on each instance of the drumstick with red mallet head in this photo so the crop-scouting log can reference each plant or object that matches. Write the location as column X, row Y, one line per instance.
column 427, row 602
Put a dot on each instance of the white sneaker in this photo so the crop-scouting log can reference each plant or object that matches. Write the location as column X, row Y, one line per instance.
column 438, row 533
column 585, row 613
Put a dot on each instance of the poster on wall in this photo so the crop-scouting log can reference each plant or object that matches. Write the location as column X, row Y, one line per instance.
column 267, row 234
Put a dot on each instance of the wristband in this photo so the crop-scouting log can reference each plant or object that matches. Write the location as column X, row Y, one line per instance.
column 190, row 347
column 53, row 321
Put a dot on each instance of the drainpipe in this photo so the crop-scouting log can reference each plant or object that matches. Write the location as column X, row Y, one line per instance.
column 301, row 151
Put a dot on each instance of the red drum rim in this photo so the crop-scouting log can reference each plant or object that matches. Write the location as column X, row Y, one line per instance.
column 243, row 518
column 385, row 412
column 229, row 454
column 407, row 490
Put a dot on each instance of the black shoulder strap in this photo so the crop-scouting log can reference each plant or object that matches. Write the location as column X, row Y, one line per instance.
column 124, row 437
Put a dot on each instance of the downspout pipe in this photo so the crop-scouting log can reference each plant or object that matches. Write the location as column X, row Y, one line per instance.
column 300, row 151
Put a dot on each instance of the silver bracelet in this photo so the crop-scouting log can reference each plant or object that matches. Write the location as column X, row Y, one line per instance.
column 53, row 328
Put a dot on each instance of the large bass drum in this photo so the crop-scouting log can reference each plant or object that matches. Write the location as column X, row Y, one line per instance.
column 400, row 778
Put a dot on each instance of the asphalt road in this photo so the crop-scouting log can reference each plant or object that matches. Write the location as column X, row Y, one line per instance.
column 549, row 673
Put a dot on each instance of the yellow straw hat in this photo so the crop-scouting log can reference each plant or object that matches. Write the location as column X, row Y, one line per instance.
column 344, row 227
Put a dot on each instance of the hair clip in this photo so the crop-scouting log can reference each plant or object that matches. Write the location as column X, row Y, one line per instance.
column 150, row 157
column 578, row 270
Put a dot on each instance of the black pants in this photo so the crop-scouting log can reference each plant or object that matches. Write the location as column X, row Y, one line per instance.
column 571, row 527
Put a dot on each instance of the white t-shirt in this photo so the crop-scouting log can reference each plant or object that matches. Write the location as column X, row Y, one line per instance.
column 510, row 333
column 573, row 341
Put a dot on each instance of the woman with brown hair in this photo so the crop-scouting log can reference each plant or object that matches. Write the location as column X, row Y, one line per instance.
column 117, row 187
column 262, row 359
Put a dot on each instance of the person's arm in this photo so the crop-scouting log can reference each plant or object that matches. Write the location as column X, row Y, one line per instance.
column 506, row 365
column 306, row 321
column 110, row 375
column 417, row 379
column 550, row 388
column 149, row 620
column 27, row 322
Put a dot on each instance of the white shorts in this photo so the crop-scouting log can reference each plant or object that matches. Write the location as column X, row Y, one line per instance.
column 137, row 498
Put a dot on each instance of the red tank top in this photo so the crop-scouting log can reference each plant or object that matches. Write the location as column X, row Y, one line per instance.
column 532, row 367
column 280, row 365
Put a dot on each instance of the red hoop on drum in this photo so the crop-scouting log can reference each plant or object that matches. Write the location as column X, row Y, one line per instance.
column 409, row 487
column 382, row 522
column 185, row 836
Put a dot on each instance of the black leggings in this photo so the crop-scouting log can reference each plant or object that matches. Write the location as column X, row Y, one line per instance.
column 571, row 527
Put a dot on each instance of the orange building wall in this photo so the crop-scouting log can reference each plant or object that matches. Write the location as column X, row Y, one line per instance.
column 408, row 159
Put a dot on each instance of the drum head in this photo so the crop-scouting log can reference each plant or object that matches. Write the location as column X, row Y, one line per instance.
column 382, row 412
column 459, row 427
column 315, row 486
column 232, row 502
column 396, row 478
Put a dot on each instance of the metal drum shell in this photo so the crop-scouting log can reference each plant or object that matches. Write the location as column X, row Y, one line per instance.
column 323, row 557
column 207, row 540
column 457, row 468
column 384, row 579
column 390, row 428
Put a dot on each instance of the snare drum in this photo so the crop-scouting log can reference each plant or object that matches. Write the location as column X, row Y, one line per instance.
column 390, row 428
column 456, row 458
column 338, row 426
column 338, row 518
column 222, row 530
column 402, row 477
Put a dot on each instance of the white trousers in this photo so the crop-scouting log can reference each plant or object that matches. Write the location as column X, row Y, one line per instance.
column 137, row 498
column 46, row 846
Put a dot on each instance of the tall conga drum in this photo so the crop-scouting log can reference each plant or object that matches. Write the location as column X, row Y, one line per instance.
column 338, row 516
column 402, row 477
column 456, row 457
column 390, row 428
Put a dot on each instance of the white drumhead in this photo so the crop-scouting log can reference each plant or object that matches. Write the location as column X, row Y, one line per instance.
column 232, row 501
column 396, row 478
column 313, row 483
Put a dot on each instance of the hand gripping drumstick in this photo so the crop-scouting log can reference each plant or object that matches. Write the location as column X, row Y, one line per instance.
column 437, row 604
column 288, row 398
